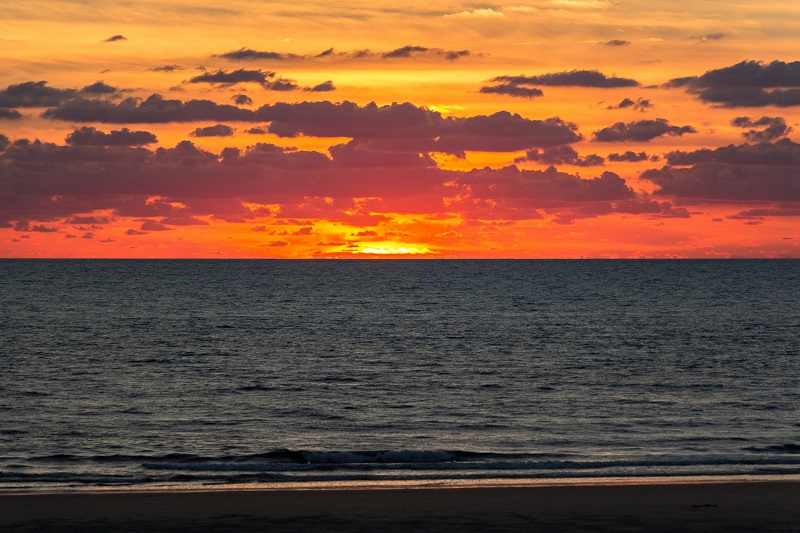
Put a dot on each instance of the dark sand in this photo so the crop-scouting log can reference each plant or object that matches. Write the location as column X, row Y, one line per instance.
column 755, row 506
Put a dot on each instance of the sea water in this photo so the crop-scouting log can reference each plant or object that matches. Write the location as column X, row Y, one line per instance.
column 135, row 374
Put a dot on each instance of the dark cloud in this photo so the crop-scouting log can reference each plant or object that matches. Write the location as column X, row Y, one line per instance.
column 226, row 79
column 9, row 114
column 256, row 131
column 80, row 220
column 155, row 109
column 322, row 87
column 781, row 153
column 355, row 54
column 4, row 142
column 418, row 128
column 218, row 130
column 359, row 155
column 88, row 136
column 135, row 232
column 153, row 225
column 572, row 78
column 525, row 86
column 761, row 213
column 629, row 157
column 248, row 54
column 617, row 42
column 242, row 99
column 282, row 85
column 452, row 55
column 746, row 84
column 762, row 172
column 543, row 188
column 772, row 128
column 640, row 104
column 405, row 51
column 269, row 155
column 512, row 90
column 498, row 132
column 640, row 131
column 561, row 155
column 99, row 89
column 25, row 225
column 114, row 38
column 167, row 68
column 34, row 94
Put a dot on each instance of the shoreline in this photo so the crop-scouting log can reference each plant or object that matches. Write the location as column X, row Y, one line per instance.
column 393, row 484
column 652, row 506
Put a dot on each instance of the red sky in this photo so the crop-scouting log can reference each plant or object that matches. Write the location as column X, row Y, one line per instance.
column 549, row 128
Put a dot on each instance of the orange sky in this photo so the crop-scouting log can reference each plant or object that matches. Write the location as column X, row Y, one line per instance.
column 541, row 129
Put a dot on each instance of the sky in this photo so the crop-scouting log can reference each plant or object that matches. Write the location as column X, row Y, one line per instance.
column 456, row 129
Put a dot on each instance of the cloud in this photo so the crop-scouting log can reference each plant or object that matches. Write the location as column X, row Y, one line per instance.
column 501, row 131
column 98, row 89
column 518, row 189
column 248, row 54
column 780, row 153
column 4, row 142
column 617, row 42
column 512, row 90
column 629, row 157
column 322, row 87
column 89, row 136
column 256, row 131
column 561, row 155
column 359, row 155
column 155, row 109
column 452, row 55
column 524, row 86
column 279, row 243
column 242, row 99
column 218, row 130
column 153, row 225
column 639, row 105
column 746, row 84
column 81, row 220
column 227, row 79
column 762, row 172
column 135, row 232
column 115, row 38
column 572, row 78
column 24, row 225
column 640, row 131
column 405, row 126
column 405, row 51
column 761, row 213
column 45, row 181
column 34, row 94
column 167, row 68
column 9, row 114
column 773, row 128
column 414, row 51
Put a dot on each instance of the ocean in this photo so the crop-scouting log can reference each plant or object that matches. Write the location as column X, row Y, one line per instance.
column 138, row 374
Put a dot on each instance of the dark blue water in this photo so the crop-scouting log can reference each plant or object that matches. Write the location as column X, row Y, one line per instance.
column 135, row 373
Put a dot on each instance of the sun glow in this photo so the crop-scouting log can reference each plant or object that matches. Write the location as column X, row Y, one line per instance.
column 394, row 250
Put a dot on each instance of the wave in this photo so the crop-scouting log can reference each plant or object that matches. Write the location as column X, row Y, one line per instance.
column 285, row 465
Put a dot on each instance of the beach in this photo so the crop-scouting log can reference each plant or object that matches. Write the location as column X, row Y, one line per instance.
column 738, row 506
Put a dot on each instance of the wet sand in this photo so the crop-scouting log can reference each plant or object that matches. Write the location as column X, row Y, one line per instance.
column 748, row 506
